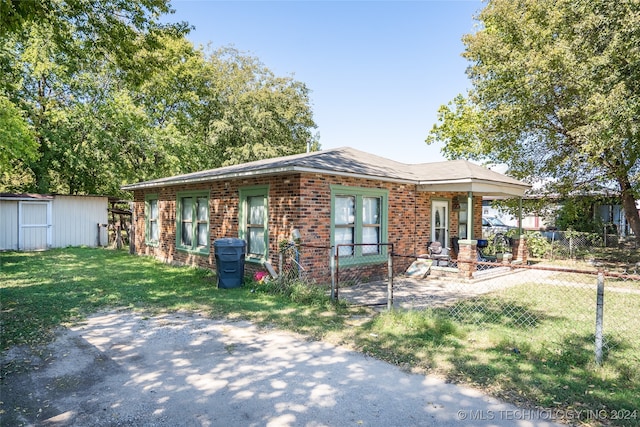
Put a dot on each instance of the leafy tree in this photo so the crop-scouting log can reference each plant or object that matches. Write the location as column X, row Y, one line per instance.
column 112, row 29
column 225, row 107
column 174, row 110
column 578, row 214
column 555, row 95
column 85, row 128
column 15, row 132
column 63, row 64
column 262, row 116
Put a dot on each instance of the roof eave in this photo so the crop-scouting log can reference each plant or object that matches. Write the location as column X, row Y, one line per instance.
column 483, row 187
column 26, row 197
column 260, row 172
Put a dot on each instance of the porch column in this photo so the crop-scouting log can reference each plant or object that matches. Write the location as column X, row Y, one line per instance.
column 467, row 257
column 519, row 216
column 520, row 248
column 470, row 215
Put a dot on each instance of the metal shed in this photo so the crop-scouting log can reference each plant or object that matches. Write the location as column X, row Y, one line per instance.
column 41, row 221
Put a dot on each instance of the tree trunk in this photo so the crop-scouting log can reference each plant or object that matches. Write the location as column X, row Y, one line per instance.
column 40, row 168
column 629, row 205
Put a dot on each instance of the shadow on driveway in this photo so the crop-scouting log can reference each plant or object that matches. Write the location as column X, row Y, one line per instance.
column 121, row 368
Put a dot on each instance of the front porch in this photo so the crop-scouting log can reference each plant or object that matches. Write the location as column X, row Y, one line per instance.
column 459, row 217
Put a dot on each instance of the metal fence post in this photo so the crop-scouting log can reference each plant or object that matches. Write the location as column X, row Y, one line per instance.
column 390, row 280
column 336, row 257
column 296, row 254
column 332, row 265
column 571, row 255
column 281, row 266
column 599, row 315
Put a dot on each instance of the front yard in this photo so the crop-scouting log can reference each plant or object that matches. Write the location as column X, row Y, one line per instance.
column 44, row 290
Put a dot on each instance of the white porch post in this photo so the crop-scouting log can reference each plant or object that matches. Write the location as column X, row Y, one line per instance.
column 519, row 216
column 470, row 215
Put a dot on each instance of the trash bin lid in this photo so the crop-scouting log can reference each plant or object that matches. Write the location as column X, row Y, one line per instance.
column 230, row 242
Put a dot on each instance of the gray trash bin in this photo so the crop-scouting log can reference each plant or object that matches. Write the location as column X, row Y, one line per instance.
column 229, row 253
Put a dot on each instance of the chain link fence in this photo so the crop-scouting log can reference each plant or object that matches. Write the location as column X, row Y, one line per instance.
column 571, row 312
column 321, row 265
column 575, row 245
column 305, row 263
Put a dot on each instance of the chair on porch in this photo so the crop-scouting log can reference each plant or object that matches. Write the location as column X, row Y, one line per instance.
column 438, row 254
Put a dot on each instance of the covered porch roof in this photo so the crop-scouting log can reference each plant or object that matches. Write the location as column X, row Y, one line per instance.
column 464, row 176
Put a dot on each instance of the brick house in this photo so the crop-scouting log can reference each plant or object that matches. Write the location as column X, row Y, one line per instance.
column 330, row 197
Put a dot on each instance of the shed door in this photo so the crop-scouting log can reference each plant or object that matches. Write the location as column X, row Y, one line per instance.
column 34, row 225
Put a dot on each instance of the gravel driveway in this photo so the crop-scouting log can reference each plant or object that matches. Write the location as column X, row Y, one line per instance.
column 122, row 369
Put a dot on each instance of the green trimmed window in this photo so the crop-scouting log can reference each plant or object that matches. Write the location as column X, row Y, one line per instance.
column 358, row 216
column 192, row 222
column 254, row 220
column 151, row 218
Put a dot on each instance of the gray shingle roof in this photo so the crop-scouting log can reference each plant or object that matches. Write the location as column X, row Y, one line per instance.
column 455, row 170
column 345, row 161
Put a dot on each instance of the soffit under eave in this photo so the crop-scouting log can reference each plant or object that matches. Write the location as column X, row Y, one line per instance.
column 479, row 188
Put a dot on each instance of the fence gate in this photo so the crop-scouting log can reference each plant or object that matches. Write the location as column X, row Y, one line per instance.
column 34, row 225
column 357, row 270
column 364, row 272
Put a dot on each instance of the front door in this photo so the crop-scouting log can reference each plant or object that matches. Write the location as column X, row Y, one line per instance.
column 440, row 222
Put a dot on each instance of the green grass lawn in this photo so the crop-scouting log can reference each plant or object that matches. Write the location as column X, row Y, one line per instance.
column 528, row 345
column 539, row 362
column 42, row 290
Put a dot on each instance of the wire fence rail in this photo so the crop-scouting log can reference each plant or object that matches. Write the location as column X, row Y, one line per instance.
column 584, row 312
column 573, row 244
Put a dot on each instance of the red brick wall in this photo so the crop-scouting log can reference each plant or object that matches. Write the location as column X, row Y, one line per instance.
column 315, row 214
column 298, row 201
column 477, row 217
column 223, row 216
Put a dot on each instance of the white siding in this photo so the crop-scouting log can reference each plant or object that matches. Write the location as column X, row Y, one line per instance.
column 8, row 225
column 75, row 220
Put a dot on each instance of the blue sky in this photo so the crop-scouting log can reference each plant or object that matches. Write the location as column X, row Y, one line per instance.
column 378, row 70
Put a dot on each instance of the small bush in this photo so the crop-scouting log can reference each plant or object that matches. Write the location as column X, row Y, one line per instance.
column 538, row 245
